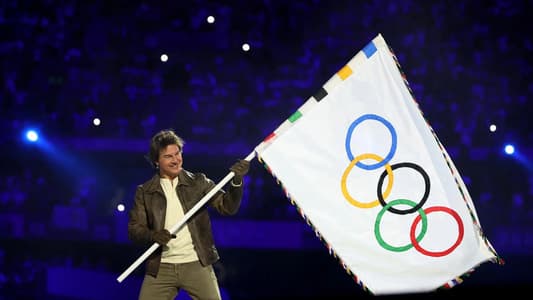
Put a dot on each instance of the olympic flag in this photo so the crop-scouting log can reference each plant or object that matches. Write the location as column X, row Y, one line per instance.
column 371, row 177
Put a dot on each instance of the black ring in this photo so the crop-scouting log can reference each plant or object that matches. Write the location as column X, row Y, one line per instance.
column 426, row 192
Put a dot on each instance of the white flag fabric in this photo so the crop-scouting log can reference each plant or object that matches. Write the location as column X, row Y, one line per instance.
column 368, row 173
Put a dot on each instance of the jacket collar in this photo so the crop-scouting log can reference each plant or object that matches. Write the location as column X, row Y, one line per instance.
column 153, row 185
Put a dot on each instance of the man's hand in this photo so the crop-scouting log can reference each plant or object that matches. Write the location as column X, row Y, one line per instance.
column 162, row 237
column 240, row 168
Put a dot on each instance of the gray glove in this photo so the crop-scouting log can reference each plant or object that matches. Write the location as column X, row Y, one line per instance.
column 240, row 168
column 162, row 237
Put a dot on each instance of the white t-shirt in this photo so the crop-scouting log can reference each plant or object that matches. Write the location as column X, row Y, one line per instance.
column 179, row 249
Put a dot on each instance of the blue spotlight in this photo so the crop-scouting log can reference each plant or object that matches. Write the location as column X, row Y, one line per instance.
column 32, row 135
column 509, row 149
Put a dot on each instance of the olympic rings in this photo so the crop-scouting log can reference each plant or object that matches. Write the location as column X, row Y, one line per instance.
column 422, row 213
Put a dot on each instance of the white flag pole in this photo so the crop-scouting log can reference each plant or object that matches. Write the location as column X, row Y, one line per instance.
column 186, row 217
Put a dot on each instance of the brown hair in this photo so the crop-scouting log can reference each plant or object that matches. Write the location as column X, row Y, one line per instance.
column 162, row 139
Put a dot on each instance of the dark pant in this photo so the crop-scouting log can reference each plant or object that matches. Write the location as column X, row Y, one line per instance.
column 200, row 282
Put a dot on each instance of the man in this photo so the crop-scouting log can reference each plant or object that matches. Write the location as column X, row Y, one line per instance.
column 184, row 260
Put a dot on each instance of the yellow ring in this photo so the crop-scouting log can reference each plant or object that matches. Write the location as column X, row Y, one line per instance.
column 347, row 195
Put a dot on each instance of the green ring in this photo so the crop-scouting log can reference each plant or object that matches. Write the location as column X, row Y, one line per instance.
column 380, row 240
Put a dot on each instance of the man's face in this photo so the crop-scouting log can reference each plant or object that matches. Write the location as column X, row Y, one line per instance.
column 170, row 161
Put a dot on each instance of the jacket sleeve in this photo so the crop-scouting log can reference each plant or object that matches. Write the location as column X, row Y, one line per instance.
column 138, row 230
column 227, row 202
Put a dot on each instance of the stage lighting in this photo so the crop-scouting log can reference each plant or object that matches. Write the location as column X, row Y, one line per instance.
column 32, row 135
column 509, row 149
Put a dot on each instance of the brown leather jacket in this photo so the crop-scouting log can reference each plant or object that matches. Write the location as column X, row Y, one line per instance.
column 148, row 214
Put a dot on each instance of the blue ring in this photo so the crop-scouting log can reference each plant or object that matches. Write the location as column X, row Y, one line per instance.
column 393, row 144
